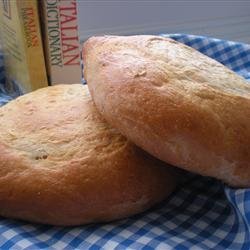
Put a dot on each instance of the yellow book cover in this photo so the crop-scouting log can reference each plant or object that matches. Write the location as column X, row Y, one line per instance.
column 61, row 41
column 22, row 44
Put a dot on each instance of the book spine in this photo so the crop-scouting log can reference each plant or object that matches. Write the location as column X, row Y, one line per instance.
column 22, row 46
column 13, row 47
column 60, row 27
column 30, row 23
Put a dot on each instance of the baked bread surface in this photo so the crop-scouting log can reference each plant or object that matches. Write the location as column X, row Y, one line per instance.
column 62, row 164
column 176, row 103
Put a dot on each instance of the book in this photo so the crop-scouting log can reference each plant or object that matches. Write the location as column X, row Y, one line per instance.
column 61, row 41
column 22, row 45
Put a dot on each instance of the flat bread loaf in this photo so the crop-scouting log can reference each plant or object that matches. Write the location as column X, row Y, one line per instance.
column 176, row 103
column 62, row 164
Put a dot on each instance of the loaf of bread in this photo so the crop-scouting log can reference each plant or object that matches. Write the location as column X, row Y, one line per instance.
column 62, row 164
column 176, row 103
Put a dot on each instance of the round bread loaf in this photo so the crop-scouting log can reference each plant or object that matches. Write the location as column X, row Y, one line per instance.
column 62, row 164
column 176, row 103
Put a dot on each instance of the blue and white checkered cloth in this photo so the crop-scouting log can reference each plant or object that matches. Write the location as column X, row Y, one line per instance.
column 201, row 214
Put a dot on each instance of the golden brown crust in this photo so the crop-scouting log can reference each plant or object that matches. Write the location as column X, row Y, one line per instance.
column 174, row 102
column 62, row 164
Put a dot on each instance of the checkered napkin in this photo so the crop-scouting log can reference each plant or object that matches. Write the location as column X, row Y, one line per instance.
column 202, row 213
